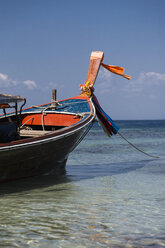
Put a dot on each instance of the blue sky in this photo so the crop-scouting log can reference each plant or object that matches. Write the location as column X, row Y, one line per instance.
column 46, row 44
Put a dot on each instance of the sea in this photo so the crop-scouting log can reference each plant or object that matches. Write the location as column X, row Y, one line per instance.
column 112, row 195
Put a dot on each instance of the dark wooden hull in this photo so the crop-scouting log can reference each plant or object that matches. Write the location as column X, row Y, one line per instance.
column 38, row 155
column 37, row 159
column 43, row 154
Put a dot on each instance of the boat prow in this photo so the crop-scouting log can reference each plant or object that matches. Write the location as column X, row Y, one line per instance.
column 39, row 139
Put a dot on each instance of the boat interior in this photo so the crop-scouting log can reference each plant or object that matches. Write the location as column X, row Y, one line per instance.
column 38, row 120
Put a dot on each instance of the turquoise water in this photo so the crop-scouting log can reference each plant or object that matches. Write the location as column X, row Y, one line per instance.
column 111, row 195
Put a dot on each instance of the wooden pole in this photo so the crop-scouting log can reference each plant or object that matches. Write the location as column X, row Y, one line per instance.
column 54, row 94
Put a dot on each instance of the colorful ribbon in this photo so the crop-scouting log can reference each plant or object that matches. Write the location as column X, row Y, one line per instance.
column 108, row 125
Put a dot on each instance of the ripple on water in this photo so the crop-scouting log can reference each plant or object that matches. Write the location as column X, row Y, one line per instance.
column 114, row 198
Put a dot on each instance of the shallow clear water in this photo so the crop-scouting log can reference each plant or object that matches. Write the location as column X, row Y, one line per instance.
column 111, row 196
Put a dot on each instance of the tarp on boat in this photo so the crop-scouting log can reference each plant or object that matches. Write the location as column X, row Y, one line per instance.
column 4, row 99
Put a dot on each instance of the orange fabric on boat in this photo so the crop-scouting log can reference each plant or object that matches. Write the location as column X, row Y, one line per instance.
column 4, row 105
column 50, row 119
column 116, row 69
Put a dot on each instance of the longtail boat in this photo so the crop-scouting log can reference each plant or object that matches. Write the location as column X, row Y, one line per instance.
column 39, row 139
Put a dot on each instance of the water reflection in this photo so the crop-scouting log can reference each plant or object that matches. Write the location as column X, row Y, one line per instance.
column 48, row 210
column 31, row 183
column 112, row 199
column 90, row 206
column 74, row 172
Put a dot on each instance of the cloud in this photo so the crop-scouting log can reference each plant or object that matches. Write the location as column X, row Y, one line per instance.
column 156, row 76
column 7, row 82
column 3, row 77
column 146, row 82
column 30, row 84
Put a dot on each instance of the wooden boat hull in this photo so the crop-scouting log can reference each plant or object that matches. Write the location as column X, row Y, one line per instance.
column 38, row 158
column 60, row 127
column 44, row 154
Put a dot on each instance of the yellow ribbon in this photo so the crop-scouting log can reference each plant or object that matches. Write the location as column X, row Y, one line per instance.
column 87, row 88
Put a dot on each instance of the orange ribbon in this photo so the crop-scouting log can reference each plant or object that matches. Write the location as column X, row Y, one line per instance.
column 116, row 69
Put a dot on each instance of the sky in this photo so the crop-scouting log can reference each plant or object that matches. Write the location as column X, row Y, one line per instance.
column 46, row 44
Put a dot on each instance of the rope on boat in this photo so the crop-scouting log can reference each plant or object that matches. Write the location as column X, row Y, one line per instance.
column 26, row 122
column 73, row 103
column 152, row 156
column 60, row 104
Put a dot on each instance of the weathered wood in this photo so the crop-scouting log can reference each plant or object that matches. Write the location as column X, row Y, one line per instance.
column 54, row 95
column 54, row 92
column 94, row 66
column 32, row 133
